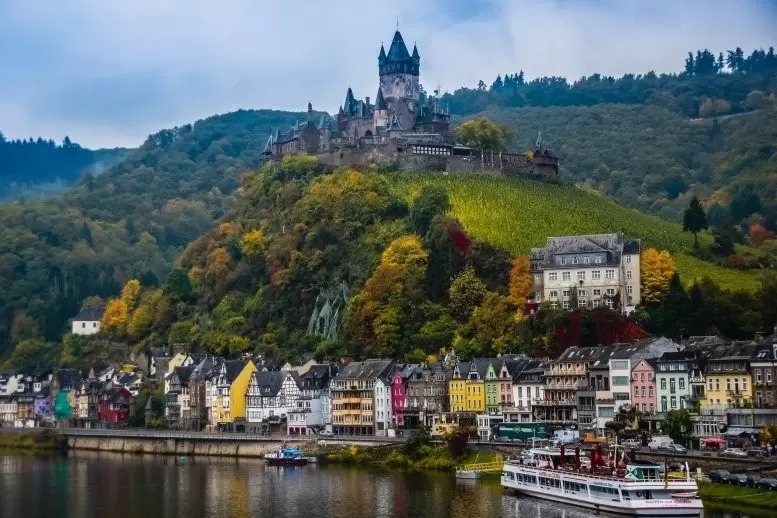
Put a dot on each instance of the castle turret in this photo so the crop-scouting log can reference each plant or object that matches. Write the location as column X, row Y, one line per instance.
column 382, row 55
column 416, row 57
column 381, row 112
column 310, row 112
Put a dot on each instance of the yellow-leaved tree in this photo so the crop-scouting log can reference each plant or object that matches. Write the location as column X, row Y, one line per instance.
column 658, row 267
column 115, row 318
column 521, row 286
column 139, row 323
column 130, row 293
column 253, row 245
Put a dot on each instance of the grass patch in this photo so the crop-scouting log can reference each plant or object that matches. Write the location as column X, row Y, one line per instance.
column 519, row 214
column 728, row 497
column 47, row 440
column 431, row 457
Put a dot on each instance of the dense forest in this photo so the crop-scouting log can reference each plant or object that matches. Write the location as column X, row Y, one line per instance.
column 32, row 168
column 131, row 221
column 249, row 252
column 709, row 85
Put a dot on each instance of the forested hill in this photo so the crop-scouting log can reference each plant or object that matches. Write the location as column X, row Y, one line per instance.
column 34, row 167
column 130, row 222
column 708, row 85
column 649, row 158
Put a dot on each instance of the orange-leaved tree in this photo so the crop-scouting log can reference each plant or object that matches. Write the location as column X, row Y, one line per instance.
column 521, row 286
column 658, row 267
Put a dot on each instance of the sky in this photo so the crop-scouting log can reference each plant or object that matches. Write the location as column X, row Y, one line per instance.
column 109, row 73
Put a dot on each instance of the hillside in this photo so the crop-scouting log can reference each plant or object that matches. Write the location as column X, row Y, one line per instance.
column 33, row 168
column 652, row 159
column 520, row 214
column 131, row 221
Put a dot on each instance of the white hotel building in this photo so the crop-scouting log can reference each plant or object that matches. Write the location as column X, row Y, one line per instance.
column 587, row 271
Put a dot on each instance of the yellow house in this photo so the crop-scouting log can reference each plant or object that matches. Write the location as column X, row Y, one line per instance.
column 231, row 387
column 729, row 382
column 466, row 388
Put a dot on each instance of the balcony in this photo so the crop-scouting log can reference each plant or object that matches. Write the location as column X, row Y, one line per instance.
column 696, row 380
column 605, row 401
column 736, row 394
column 555, row 402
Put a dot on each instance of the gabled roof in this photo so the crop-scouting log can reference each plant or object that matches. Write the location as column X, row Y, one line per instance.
column 203, row 369
column 368, row 369
column 269, row 382
column 68, row 379
column 678, row 356
column 184, row 373
column 613, row 245
column 481, row 366
column 232, row 369
column 398, row 50
column 89, row 315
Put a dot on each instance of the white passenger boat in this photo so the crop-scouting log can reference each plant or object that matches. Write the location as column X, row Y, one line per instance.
column 467, row 474
column 631, row 488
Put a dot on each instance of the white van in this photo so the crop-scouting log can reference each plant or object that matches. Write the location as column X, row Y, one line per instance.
column 660, row 442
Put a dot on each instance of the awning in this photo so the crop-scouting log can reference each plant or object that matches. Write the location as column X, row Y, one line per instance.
column 736, row 431
column 712, row 440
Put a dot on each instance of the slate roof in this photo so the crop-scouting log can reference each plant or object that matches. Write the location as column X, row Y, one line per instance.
column 613, row 244
column 626, row 351
column 203, row 369
column 398, row 50
column 269, row 382
column 368, row 369
column 580, row 354
column 184, row 373
column 89, row 315
column 380, row 101
column 678, row 356
column 68, row 379
column 233, row 368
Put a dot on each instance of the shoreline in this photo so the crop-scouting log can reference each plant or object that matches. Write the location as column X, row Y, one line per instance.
column 746, row 500
column 48, row 441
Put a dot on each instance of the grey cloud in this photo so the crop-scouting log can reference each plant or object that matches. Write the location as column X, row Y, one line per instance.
column 110, row 73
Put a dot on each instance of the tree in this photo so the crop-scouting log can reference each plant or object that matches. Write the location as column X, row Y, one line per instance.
column 432, row 201
column 415, row 356
column 482, row 134
column 139, row 323
column 521, row 283
column 657, row 267
column 694, row 220
column 130, row 293
column 33, row 354
column 253, row 244
column 677, row 424
column 178, row 284
column 466, row 293
column 115, row 318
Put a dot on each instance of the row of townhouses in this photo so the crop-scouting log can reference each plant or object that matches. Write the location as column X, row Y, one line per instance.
column 101, row 399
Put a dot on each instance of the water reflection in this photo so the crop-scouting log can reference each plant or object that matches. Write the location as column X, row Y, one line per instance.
column 100, row 485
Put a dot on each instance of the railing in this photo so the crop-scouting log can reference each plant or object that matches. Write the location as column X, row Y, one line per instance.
column 484, row 467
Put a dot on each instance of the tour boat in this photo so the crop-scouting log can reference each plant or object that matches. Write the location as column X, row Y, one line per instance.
column 628, row 488
column 286, row 457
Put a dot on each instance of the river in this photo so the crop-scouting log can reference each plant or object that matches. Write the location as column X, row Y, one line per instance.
column 85, row 485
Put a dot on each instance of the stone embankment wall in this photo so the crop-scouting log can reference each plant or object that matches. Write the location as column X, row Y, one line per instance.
column 197, row 447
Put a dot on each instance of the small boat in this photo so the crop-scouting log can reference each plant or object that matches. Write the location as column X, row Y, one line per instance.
column 286, row 457
column 467, row 474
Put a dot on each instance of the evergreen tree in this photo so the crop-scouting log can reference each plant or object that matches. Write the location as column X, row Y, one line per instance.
column 694, row 219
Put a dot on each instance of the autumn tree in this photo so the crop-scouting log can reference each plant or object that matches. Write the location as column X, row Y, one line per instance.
column 253, row 244
column 482, row 134
column 130, row 293
column 139, row 323
column 521, row 283
column 388, row 309
column 178, row 284
column 695, row 220
column 115, row 318
column 218, row 263
column 657, row 267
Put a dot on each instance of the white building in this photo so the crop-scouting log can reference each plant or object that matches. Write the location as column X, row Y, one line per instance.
column 271, row 395
column 87, row 321
column 383, row 415
column 587, row 271
column 528, row 386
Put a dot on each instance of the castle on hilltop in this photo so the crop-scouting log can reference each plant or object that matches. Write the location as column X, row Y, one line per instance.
column 405, row 127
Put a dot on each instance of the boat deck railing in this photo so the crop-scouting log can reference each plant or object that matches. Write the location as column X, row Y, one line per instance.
column 495, row 466
column 600, row 477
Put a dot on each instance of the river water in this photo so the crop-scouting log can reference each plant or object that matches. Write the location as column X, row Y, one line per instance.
column 86, row 485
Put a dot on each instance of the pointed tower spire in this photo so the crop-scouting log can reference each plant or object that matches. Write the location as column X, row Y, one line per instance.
column 382, row 55
column 416, row 56
column 380, row 101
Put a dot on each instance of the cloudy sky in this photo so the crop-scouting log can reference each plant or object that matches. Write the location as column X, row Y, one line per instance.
column 109, row 73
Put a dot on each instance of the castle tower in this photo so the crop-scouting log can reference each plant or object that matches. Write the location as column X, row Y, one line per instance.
column 399, row 71
column 381, row 113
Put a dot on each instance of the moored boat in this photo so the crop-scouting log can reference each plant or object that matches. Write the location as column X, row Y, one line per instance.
column 286, row 457
column 627, row 488
column 467, row 474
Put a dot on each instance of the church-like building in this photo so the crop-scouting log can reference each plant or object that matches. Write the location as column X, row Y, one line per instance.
column 404, row 127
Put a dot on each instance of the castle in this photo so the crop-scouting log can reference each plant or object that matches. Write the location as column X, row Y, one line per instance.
column 405, row 128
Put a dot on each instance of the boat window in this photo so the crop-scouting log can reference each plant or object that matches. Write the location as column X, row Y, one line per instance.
column 508, row 474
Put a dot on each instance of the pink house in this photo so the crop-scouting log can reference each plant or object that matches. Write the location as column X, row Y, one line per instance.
column 398, row 397
column 643, row 386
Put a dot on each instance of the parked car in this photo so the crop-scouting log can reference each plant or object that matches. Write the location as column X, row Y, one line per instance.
column 719, row 475
column 326, row 433
column 768, row 483
column 753, row 479
column 677, row 448
column 735, row 452
column 739, row 479
column 660, row 442
column 756, row 452
column 632, row 443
